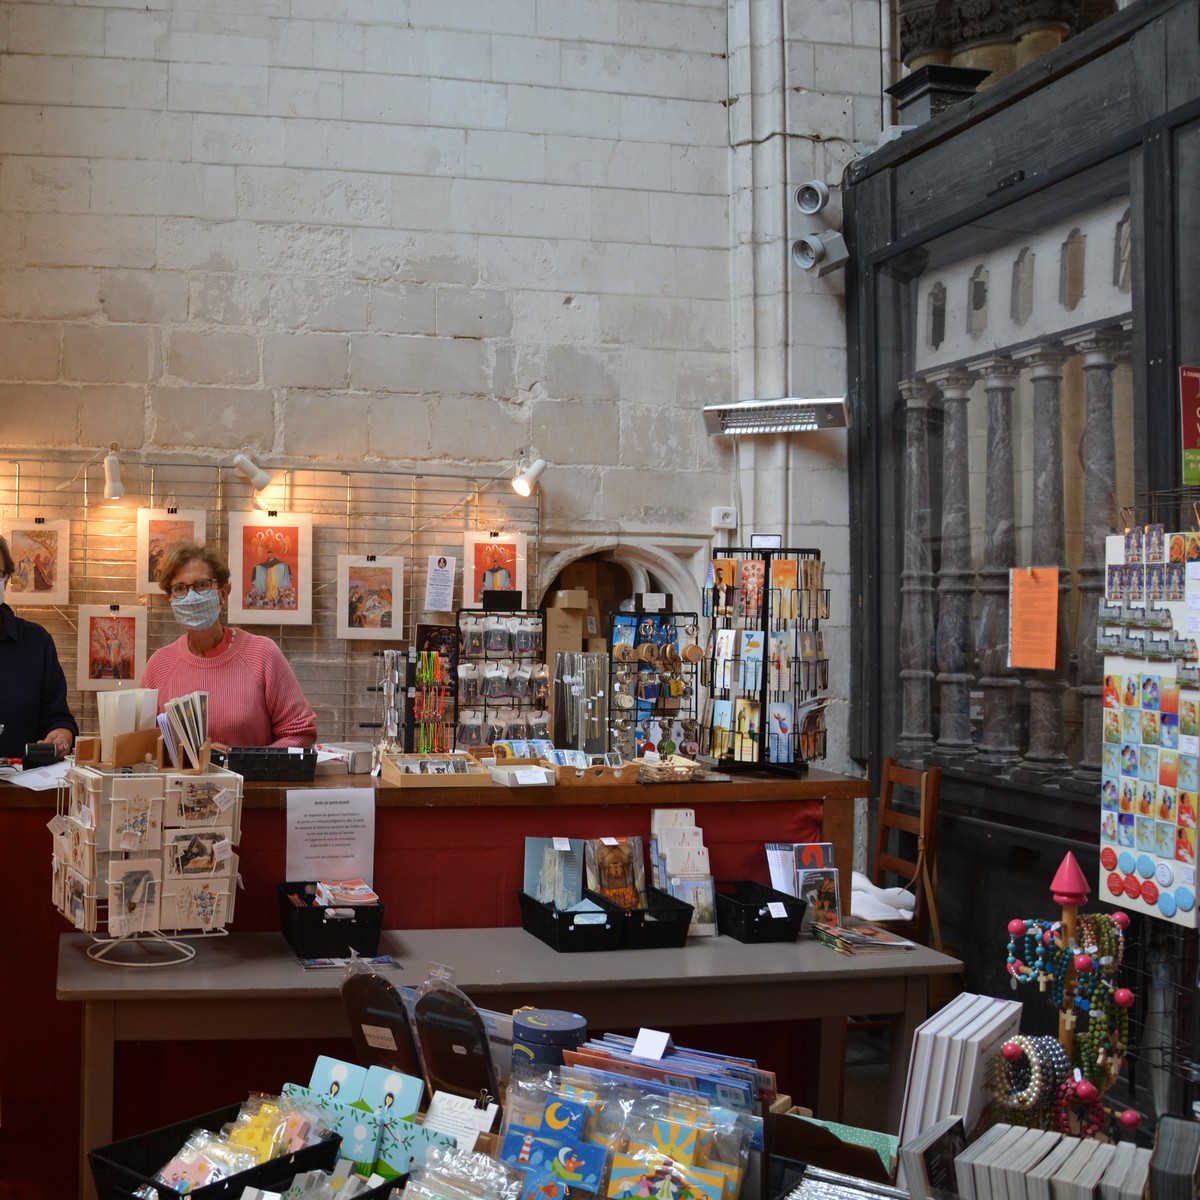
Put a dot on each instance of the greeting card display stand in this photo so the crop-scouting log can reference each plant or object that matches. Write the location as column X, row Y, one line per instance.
column 1060, row 1081
column 144, row 856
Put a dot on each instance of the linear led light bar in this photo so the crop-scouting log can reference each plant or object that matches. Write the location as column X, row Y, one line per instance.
column 790, row 415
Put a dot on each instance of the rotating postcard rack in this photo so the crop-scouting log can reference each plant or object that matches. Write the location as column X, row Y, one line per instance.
column 765, row 665
column 144, row 859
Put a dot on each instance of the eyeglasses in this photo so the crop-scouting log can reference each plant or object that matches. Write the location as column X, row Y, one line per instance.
column 200, row 587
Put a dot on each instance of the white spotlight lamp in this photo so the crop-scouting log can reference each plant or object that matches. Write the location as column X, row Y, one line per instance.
column 251, row 472
column 526, row 481
column 114, row 489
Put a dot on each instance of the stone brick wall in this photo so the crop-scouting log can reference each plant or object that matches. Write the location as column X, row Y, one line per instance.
column 434, row 231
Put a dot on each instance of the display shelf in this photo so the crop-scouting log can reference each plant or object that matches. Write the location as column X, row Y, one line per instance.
column 765, row 665
column 503, row 690
column 652, row 692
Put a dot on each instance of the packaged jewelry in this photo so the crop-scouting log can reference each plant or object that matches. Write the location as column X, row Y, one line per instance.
column 473, row 637
column 469, row 689
column 524, row 637
column 496, row 640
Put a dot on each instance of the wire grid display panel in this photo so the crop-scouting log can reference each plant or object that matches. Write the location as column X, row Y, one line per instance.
column 413, row 516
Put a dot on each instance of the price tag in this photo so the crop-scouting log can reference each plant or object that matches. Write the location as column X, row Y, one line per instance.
column 84, row 817
column 651, row 1043
column 563, row 844
column 118, row 926
column 57, row 825
column 225, row 798
column 223, row 849
column 529, row 775
column 130, row 839
column 777, row 909
column 609, row 841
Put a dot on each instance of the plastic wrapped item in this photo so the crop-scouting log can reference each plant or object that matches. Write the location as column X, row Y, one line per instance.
column 463, row 1175
column 204, row 1158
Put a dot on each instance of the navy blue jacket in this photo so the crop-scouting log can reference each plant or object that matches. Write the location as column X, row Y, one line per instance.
column 33, row 688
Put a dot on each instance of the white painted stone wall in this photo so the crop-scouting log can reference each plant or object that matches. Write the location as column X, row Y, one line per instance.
column 399, row 232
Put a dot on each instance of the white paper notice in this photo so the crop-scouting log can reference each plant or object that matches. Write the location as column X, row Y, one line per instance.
column 439, row 585
column 330, row 833
column 651, row 1043
column 458, row 1116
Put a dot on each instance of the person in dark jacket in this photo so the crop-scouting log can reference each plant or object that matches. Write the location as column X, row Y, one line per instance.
column 33, row 688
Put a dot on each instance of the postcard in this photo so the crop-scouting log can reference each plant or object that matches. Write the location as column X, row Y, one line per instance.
column 616, row 869
column 133, row 887
column 195, row 853
column 136, row 824
column 195, row 903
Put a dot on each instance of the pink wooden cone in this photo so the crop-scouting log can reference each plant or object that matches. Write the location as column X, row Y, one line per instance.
column 1069, row 887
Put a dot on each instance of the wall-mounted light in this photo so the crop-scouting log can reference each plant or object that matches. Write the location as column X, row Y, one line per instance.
column 789, row 415
column 114, row 489
column 251, row 472
column 526, row 480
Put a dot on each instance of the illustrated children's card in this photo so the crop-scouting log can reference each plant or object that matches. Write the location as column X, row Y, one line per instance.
column 111, row 646
column 342, row 1081
column 41, row 552
column 196, row 903
column 159, row 530
column 391, row 1094
column 270, row 563
column 370, row 597
column 403, row 1144
column 136, row 824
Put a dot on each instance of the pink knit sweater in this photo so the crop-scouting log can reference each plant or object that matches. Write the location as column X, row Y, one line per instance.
column 254, row 698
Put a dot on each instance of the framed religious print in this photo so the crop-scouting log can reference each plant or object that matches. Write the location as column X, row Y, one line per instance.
column 270, row 563
column 41, row 553
column 370, row 596
column 158, row 530
column 492, row 562
column 112, row 646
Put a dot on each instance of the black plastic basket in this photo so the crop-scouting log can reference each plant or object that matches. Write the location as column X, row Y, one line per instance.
column 743, row 912
column 272, row 764
column 661, row 925
column 120, row 1168
column 571, row 931
column 313, row 934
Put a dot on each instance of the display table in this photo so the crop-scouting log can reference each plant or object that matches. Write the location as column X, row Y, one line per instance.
column 249, row 987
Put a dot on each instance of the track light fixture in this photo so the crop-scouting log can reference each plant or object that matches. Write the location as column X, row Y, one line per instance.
column 251, row 472
column 526, row 480
column 114, row 489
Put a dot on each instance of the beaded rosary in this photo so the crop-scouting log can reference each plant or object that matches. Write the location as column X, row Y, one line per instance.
column 1076, row 959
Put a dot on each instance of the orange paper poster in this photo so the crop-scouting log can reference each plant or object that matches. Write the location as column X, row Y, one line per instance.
column 1033, row 618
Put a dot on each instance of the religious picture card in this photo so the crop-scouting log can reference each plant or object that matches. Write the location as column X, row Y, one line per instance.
column 158, row 530
column 370, row 597
column 41, row 552
column 492, row 563
column 112, row 646
column 270, row 561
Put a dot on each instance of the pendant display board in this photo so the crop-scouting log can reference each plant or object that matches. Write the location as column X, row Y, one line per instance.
column 653, row 683
column 1148, row 626
column 503, row 683
column 147, row 852
column 765, row 664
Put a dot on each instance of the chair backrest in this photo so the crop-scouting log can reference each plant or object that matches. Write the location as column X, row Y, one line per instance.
column 919, row 821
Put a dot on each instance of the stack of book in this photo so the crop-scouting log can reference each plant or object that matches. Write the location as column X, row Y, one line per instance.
column 859, row 937
column 1175, row 1165
column 949, row 1070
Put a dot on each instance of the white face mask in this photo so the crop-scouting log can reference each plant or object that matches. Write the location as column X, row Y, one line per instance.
column 197, row 612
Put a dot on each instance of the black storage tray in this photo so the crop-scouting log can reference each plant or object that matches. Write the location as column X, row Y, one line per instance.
column 267, row 764
column 312, row 936
column 120, row 1168
column 742, row 912
column 571, row 931
column 661, row 925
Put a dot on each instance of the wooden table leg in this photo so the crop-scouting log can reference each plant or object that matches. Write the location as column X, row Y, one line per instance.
column 831, row 1068
column 96, row 1091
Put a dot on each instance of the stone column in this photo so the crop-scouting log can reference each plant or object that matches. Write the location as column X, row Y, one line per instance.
column 1099, row 349
column 916, row 580
column 956, row 581
column 999, row 747
column 1045, row 759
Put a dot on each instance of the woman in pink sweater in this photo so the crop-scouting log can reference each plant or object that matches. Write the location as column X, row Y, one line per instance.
column 254, row 698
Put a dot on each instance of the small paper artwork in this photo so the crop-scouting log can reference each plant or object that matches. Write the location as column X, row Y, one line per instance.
column 270, row 562
column 158, row 530
column 111, row 645
column 41, row 554
column 492, row 564
column 370, row 597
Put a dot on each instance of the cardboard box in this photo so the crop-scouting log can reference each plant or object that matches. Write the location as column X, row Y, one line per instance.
column 591, row 623
column 517, row 775
column 564, row 631
column 569, row 598
column 585, row 575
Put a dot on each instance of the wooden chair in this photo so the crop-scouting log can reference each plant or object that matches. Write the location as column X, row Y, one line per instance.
column 919, row 821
